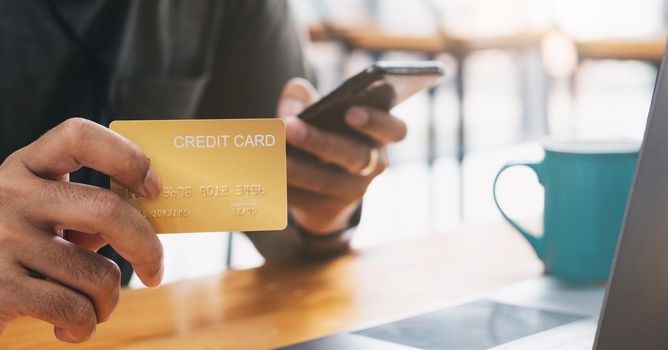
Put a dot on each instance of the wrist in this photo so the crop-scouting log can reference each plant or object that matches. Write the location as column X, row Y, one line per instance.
column 351, row 220
column 314, row 226
column 330, row 244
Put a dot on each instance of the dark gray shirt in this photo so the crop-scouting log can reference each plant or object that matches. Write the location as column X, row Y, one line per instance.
column 148, row 59
column 110, row 59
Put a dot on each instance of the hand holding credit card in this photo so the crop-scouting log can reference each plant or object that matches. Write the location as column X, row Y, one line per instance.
column 216, row 174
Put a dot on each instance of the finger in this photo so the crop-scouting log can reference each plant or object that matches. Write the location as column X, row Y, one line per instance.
column 297, row 94
column 84, row 208
column 90, row 241
column 380, row 126
column 77, row 268
column 349, row 154
column 78, row 142
column 72, row 314
column 329, row 181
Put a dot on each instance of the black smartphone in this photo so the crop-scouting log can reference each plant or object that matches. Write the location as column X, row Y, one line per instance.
column 382, row 85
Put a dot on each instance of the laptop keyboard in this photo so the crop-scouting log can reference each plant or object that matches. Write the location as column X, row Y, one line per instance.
column 574, row 336
column 477, row 325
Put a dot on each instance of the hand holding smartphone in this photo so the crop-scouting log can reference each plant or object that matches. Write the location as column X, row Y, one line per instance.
column 331, row 162
column 383, row 85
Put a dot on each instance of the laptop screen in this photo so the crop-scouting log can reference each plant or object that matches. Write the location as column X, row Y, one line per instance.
column 636, row 307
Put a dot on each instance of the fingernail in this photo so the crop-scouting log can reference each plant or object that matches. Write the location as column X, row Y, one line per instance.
column 141, row 192
column 62, row 334
column 358, row 116
column 157, row 278
column 290, row 106
column 152, row 183
column 295, row 130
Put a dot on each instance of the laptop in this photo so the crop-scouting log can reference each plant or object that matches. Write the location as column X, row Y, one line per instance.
column 545, row 313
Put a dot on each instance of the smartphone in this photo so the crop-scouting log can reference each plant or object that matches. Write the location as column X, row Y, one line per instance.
column 382, row 85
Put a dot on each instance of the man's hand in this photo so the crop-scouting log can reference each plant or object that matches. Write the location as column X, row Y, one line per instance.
column 322, row 197
column 50, row 228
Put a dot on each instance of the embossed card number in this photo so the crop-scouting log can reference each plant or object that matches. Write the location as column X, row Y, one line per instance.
column 216, row 175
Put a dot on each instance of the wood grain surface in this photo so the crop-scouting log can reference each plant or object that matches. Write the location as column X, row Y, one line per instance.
column 272, row 306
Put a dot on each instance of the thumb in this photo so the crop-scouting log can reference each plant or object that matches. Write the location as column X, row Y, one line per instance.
column 297, row 94
column 289, row 105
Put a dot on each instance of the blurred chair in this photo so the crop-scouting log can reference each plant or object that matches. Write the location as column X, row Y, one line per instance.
column 644, row 50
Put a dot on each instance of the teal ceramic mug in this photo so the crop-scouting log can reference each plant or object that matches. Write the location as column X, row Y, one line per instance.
column 586, row 187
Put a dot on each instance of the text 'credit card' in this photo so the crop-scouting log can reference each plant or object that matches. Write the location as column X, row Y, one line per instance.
column 215, row 174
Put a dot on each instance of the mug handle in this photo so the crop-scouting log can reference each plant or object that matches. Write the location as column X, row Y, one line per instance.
column 535, row 241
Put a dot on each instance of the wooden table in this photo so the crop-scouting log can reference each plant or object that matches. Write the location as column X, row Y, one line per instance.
column 375, row 38
column 272, row 306
column 647, row 50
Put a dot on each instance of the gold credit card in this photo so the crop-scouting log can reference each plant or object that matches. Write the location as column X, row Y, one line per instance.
column 216, row 174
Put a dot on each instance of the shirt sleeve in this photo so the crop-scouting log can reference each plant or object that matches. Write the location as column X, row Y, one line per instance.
column 259, row 49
